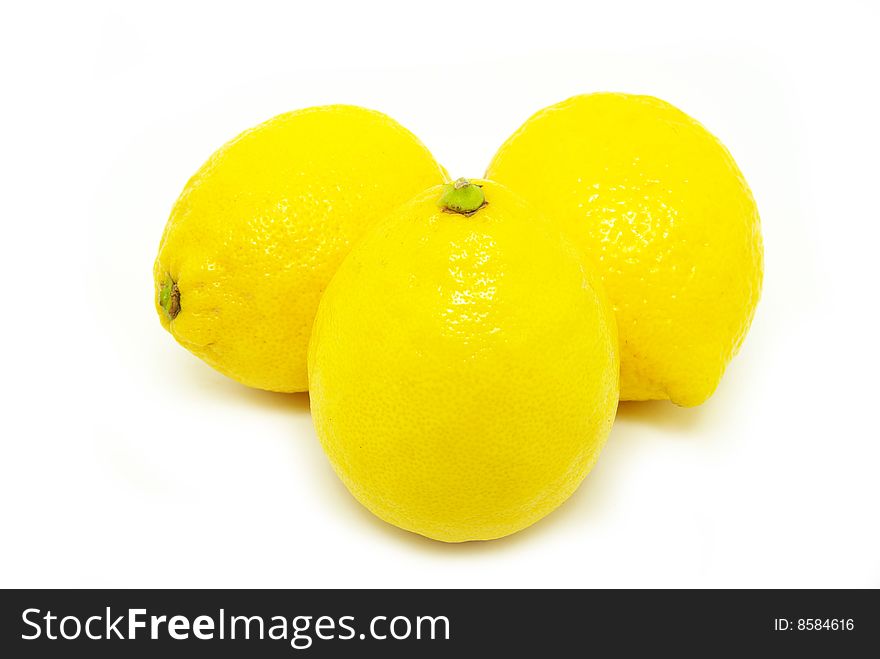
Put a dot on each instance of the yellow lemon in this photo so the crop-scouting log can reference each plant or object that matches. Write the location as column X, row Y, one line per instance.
column 661, row 211
column 464, row 368
column 260, row 229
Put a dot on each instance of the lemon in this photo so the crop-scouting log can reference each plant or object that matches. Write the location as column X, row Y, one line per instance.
column 260, row 229
column 464, row 368
column 660, row 209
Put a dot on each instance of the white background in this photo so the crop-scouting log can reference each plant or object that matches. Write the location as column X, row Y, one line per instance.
column 127, row 462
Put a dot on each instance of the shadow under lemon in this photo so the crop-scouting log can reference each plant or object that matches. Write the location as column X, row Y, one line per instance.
column 590, row 501
column 218, row 385
column 663, row 415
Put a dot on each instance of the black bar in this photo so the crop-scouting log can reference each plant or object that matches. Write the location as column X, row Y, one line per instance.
column 703, row 623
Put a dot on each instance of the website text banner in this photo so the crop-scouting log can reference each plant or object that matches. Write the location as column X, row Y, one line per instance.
column 289, row 623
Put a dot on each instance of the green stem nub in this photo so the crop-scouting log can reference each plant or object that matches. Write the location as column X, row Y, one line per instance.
column 463, row 197
column 169, row 298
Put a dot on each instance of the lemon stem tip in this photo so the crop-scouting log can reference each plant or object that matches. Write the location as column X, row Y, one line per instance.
column 169, row 298
column 463, row 197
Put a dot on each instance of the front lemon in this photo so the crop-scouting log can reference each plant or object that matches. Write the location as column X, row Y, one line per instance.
column 663, row 214
column 260, row 229
column 463, row 366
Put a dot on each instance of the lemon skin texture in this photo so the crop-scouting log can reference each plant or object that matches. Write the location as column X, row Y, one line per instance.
column 464, row 370
column 260, row 229
column 663, row 214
